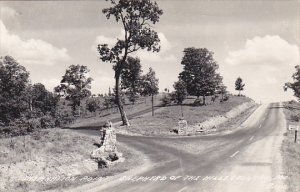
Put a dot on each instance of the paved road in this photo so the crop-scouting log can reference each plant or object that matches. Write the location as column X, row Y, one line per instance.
column 247, row 159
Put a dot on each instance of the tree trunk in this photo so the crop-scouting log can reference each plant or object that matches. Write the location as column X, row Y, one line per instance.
column 152, row 100
column 204, row 102
column 119, row 102
column 30, row 105
column 181, row 110
column 79, row 112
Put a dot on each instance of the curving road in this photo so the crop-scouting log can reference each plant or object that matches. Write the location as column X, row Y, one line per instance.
column 247, row 159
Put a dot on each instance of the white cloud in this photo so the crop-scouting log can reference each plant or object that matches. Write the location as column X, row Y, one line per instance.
column 265, row 64
column 7, row 13
column 102, row 82
column 31, row 51
column 105, row 40
column 268, row 50
column 164, row 43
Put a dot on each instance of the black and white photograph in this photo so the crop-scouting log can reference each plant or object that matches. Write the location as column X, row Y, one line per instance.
column 150, row 96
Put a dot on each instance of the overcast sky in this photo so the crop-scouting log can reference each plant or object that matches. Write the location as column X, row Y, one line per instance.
column 257, row 40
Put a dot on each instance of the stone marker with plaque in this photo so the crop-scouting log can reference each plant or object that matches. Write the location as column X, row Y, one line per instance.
column 182, row 126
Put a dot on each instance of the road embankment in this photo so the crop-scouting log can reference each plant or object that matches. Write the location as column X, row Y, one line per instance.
column 290, row 149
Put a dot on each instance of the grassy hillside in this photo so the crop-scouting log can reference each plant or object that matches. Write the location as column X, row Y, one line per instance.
column 166, row 118
column 92, row 119
column 53, row 158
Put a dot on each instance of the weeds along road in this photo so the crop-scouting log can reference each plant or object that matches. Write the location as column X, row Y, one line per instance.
column 247, row 159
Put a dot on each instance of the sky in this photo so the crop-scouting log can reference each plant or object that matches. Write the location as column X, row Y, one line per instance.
column 256, row 40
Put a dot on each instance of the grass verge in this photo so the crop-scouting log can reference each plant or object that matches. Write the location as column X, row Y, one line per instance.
column 54, row 159
column 290, row 149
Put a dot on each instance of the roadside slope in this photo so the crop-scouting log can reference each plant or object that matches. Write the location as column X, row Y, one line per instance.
column 165, row 121
column 290, row 149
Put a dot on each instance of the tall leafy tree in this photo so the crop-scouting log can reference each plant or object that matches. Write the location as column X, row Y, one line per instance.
column 239, row 85
column 40, row 100
column 92, row 105
column 180, row 91
column 149, row 86
column 131, row 78
column 295, row 85
column 75, row 85
column 222, row 90
column 136, row 18
column 200, row 72
column 14, row 78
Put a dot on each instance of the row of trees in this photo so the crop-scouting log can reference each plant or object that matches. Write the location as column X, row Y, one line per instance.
column 76, row 84
column 19, row 99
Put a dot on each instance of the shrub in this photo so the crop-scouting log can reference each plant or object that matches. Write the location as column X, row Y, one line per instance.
column 47, row 121
column 33, row 124
column 225, row 98
column 295, row 118
column 213, row 98
column 198, row 102
column 292, row 102
column 166, row 100
column 63, row 121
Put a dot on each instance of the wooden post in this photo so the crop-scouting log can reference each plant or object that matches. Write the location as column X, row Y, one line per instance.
column 152, row 100
column 181, row 110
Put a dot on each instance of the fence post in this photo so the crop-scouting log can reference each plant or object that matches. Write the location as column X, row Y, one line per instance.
column 296, row 131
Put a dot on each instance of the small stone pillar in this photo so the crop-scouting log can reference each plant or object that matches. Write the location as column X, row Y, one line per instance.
column 182, row 126
column 107, row 154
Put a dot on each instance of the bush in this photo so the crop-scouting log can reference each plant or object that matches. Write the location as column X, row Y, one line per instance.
column 213, row 98
column 292, row 102
column 166, row 100
column 34, row 123
column 47, row 121
column 198, row 102
column 63, row 121
column 295, row 118
column 225, row 98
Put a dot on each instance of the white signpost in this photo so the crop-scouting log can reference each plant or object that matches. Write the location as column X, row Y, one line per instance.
column 294, row 127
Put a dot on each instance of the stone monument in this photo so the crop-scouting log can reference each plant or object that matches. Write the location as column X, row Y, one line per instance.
column 107, row 154
column 182, row 126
